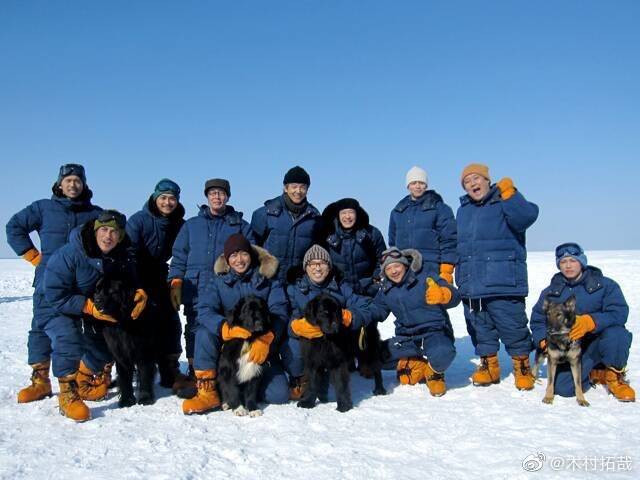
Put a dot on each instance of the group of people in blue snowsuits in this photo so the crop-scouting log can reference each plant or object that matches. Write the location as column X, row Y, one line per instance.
column 287, row 254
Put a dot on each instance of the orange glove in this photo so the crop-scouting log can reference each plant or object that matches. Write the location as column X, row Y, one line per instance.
column 347, row 316
column 259, row 350
column 584, row 324
column 175, row 293
column 507, row 190
column 302, row 328
column 229, row 333
column 90, row 309
column 33, row 256
column 435, row 294
column 446, row 272
column 140, row 300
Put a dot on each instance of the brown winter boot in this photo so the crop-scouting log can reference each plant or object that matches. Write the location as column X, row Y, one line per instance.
column 40, row 384
column 412, row 370
column 522, row 372
column 598, row 376
column 297, row 387
column 207, row 397
column 91, row 386
column 488, row 372
column 71, row 405
column 618, row 385
column 435, row 382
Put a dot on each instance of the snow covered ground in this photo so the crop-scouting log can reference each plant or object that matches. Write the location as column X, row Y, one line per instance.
column 470, row 432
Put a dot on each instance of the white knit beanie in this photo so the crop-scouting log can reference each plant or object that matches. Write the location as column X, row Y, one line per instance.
column 416, row 174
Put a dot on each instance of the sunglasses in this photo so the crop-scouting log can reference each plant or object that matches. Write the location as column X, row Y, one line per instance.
column 572, row 249
column 107, row 216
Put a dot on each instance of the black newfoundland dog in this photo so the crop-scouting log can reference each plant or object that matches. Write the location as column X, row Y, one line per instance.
column 238, row 378
column 130, row 341
column 327, row 359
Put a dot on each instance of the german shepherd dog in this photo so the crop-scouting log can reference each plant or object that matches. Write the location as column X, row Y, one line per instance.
column 560, row 348
column 238, row 378
column 130, row 341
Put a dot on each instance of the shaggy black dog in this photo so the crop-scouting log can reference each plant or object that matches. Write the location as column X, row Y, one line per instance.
column 130, row 341
column 327, row 359
column 238, row 378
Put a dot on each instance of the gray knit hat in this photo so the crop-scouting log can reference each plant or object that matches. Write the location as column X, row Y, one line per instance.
column 316, row 252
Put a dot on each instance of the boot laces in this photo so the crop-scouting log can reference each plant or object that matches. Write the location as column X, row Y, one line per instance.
column 523, row 367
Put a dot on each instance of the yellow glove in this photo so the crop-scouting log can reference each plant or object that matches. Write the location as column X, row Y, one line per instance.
column 259, row 350
column 584, row 324
column 33, row 256
column 446, row 272
column 435, row 294
column 229, row 333
column 347, row 317
column 90, row 309
column 175, row 293
column 302, row 328
column 140, row 300
column 507, row 190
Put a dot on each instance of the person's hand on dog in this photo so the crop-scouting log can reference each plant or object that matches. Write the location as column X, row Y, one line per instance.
column 507, row 190
column 140, row 300
column 435, row 294
column 446, row 272
column 302, row 328
column 259, row 349
column 229, row 333
column 33, row 256
column 584, row 324
column 90, row 309
column 175, row 293
column 347, row 317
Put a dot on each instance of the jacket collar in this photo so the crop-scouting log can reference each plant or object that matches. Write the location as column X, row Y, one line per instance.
column 427, row 201
column 591, row 280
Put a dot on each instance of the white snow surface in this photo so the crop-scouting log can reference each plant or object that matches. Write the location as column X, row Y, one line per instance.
column 407, row 434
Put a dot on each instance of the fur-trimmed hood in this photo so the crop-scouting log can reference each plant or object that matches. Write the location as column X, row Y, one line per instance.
column 267, row 263
column 415, row 264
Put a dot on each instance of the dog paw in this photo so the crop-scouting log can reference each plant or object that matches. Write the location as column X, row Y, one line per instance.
column 146, row 400
column 344, row 406
column 583, row 403
column 240, row 411
column 547, row 400
column 255, row 413
column 126, row 402
column 379, row 391
column 306, row 404
column 225, row 406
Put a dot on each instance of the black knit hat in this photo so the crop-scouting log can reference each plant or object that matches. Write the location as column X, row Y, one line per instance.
column 71, row 169
column 220, row 183
column 235, row 243
column 297, row 174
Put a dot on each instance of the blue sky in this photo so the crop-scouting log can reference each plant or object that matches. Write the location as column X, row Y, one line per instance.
column 355, row 91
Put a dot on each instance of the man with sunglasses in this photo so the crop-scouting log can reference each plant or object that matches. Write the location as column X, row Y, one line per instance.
column 96, row 249
column 198, row 244
column 491, row 273
column 53, row 219
column 601, row 315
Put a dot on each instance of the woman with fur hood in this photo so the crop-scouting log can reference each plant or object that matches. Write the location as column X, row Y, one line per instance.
column 243, row 269
column 354, row 245
column 423, row 346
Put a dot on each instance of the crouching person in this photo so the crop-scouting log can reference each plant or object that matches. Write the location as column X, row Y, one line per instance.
column 242, row 270
column 601, row 313
column 423, row 347
column 80, row 352
column 319, row 278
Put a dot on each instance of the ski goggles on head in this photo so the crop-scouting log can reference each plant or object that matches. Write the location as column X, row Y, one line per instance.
column 72, row 169
column 395, row 254
column 569, row 249
column 111, row 218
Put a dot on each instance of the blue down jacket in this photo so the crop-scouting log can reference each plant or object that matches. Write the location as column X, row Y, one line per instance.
column 492, row 256
column 53, row 219
column 286, row 238
column 198, row 245
column 595, row 295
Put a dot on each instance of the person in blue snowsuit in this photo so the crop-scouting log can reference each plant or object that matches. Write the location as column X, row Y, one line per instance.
column 53, row 219
column 288, row 225
column 96, row 249
column 601, row 315
column 318, row 278
column 491, row 273
column 423, row 345
column 354, row 245
column 199, row 243
column 153, row 231
column 242, row 270
column 422, row 220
